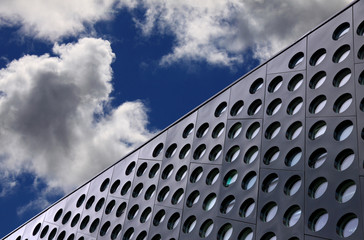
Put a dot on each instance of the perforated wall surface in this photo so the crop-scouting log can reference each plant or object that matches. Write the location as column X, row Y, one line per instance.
column 279, row 154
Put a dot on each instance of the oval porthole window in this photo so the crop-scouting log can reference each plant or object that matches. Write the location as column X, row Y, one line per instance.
column 253, row 130
column 181, row 173
column 257, row 84
column 292, row 216
column 157, row 150
column 344, row 159
column 295, row 106
column 274, row 107
column 271, row 155
column 171, row 150
column 227, row 204
column 232, row 154
column 177, row 196
column 317, row 80
column 206, row 228
column 246, row 234
column 220, row 109
column 317, row 158
column 150, row 192
column 318, row 57
column 202, row 130
column 361, row 78
column 235, row 130
column 318, row 220
column 249, row 180
column 199, row 152
column 212, row 176
column 230, row 178
column 209, row 202
column 193, row 198
column 317, row 130
column 251, row 155
column 347, row 225
column 292, row 185
column 184, row 151
column 294, row 130
column 173, row 221
column 318, row 104
column 296, row 60
column 225, row 232
column 295, row 83
column 215, row 153
column 159, row 217
column 361, row 53
column 218, row 130
column 360, row 29
column 153, row 171
column 275, row 84
column 272, row 130
column 341, row 54
column 237, row 108
column 342, row 77
column 317, row 188
column 188, row 130
column 163, row 194
column 345, row 191
column 269, row 211
column 270, row 183
column 189, row 224
column 341, row 30
column 254, row 107
column 196, row 174
column 343, row 103
column 247, row 208
column 293, row 157
column 343, row 130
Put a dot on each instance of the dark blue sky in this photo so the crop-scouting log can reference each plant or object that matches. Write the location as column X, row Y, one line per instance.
column 208, row 53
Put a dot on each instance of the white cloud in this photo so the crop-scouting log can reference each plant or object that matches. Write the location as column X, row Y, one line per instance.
column 48, row 107
column 219, row 32
column 215, row 31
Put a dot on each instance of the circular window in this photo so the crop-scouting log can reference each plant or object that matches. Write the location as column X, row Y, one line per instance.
column 295, row 83
column 274, row 107
column 215, row 153
column 133, row 211
column 344, row 159
column 254, row 107
column 153, row 171
column 189, row 224
column 272, row 130
column 232, row 154
column 347, row 225
column 181, row 173
column 343, row 130
column 317, row 188
column 296, row 60
column 317, row 158
column 237, row 108
column 317, row 130
column 257, row 84
column 130, row 168
column 275, row 84
column 341, row 30
column 199, row 152
column 188, row 130
column 293, row 157
column 317, row 80
column 295, row 106
column 212, row 176
column 220, row 109
column 268, row 212
column 121, row 209
column 167, row 172
column 271, row 155
column 345, row 191
column 218, row 130
column 253, row 130
column 193, row 198
column 227, row 204
column 318, row 104
column 230, row 178
column 318, row 57
column 343, row 103
column 177, row 196
column 159, row 217
column 292, row 185
column 249, row 180
column 270, row 183
column 246, row 234
column 294, row 130
column 145, row 215
column 251, row 155
column 247, row 208
column 196, row 174
column 202, row 130
column 342, row 77
column 142, row 169
column 157, row 150
column 171, row 150
column 173, row 221
column 341, row 54
column 225, row 232
column 163, row 194
column 292, row 216
column 318, row 220
column 206, row 228
column 209, row 202
column 235, row 130
column 185, row 151
column 150, row 192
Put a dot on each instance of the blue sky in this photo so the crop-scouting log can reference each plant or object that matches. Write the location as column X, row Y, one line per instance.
column 82, row 83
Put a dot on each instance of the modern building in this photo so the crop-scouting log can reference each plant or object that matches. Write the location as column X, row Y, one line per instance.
column 278, row 154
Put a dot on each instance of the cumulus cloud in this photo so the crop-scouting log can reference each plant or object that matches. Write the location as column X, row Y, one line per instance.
column 218, row 32
column 56, row 121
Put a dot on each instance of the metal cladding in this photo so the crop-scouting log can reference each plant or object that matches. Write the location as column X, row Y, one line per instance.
column 278, row 154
